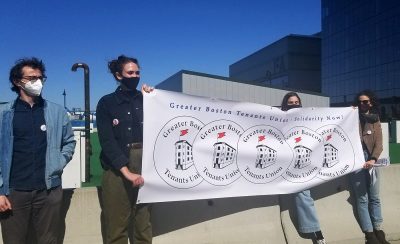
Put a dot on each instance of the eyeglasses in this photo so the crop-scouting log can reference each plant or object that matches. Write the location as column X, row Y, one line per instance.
column 365, row 102
column 32, row 79
column 137, row 72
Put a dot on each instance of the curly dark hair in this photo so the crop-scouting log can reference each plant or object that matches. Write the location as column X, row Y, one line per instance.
column 284, row 105
column 117, row 65
column 373, row 100
column 16, row 71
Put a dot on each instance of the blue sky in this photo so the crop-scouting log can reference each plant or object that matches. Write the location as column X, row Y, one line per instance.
column 166, row 36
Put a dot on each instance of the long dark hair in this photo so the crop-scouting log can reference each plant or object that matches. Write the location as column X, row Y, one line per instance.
column 284, row 105
column 373, row 99
column 117, row 65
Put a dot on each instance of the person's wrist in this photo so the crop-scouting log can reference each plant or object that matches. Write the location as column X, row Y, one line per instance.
column 125, row 171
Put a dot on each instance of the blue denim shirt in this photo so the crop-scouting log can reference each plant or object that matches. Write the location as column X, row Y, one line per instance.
column 60, row 143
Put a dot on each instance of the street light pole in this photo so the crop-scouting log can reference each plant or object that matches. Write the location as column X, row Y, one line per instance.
column 65, row 99
column 85, row 67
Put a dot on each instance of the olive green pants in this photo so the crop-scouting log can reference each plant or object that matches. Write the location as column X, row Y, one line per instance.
column 121, row 213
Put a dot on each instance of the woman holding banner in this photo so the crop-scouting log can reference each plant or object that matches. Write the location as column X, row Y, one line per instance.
column 119, row 124
column 306, row 213
column 365, row 182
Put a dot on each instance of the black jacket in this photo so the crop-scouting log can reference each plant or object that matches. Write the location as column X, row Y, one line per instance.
column 119, row 118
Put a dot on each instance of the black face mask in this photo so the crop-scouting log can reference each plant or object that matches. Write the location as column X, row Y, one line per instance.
column 130, row 83
column 290, row 106
column 363, row 108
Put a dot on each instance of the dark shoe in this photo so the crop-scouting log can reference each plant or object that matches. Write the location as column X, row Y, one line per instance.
column 380, row 235
column 370, row 238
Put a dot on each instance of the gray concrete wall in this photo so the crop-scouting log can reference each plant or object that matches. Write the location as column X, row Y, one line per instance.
column 259, row 219
column 224, row 89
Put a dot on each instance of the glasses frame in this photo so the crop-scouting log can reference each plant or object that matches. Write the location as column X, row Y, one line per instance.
column 32, row 79
column 365, row 102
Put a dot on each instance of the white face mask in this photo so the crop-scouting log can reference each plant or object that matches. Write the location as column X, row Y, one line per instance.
column 33, row 89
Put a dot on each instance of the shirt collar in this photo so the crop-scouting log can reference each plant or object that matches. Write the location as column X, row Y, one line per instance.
column 39, row 102
column 126, row 96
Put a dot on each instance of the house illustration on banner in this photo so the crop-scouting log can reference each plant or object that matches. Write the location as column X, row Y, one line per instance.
column 266, row 156
column 183, row 153
column 330, row 156
column 224, row 155
column 303, row 156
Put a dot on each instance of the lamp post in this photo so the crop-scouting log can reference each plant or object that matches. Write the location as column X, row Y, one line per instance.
column 65, row 99
column 85, row 68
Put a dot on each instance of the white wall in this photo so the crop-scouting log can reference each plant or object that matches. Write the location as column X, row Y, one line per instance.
column 397, row 131
column 385, row 140
column 71, row 177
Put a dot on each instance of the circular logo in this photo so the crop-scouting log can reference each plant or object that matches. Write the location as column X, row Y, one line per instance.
column 263, row 154
column 43, row 128
column 308, row 148
column 173, row 152
column 215, row 152
column 336, row 142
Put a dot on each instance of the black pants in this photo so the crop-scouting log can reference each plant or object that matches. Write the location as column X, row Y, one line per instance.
column 32, row 211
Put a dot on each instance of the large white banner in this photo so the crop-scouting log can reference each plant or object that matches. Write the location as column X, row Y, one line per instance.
column 202, row 148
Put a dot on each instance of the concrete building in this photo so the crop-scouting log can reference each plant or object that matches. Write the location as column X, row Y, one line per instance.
column 293, row 62
column 200, row 84
column 361, row 50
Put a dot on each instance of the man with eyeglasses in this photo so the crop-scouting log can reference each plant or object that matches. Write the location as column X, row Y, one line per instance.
column 36, row 142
